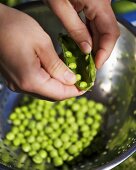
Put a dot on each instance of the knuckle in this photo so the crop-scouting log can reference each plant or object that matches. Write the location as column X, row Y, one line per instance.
column 117, row 33
column 46, row 42
column 56, row 66
column 79, row 33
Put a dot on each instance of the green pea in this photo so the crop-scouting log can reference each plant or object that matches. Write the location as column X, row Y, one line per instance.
column 97, row 117
column 68, row 54
column 75, row 107
column 35, row 146
column 83, row 85
column 53, row 153
column 21, row 128
column 61, row 112
column 38, row 116
column 82, row 100
column 41, row 102
column 39, row 139
column 37, row 159
column 64, row 137
column 24, row 109
column 84, row 109
column 57, row 161
column 28, row 115
column 17, row 110
column 74, row 127
column 99, row 107
column 72, row 66
column 49, row 148
column 68, row 131
column 92, row 112
column 27, row 133
column 86, row 134
column 23, row 141
column 34, row 132
column 91, row 104
column 48, row 130
column 44, row 121
column 10, row 136
column 89, row 120
column 96, row 125
column 60, row 120
column 73, row 149
column 57, row 143
column 79, row 115
column 87, row 57
column 93, row 132
column 32, row 153
column 52, row 112
column 80, row 121
column 87, row 144
column 70, row 158
column 25, row 122
column 55, row 125
column 31, row 139
column 66, row 145
column 20, row 136
column 71, row 120
column 13, row 116
column 58, row 132
column 32, row 124
column 16, row 142
column 74, row 138
column 68, row 113
column 26, row 147
column 79, row 145
column 84, row 128
column 44, row 144
column 62, row 103
column 17, row 122
column 78, row 77
column 15, row 130
column 43, row 154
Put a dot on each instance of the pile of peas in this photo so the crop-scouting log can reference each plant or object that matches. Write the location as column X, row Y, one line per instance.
column 54, row 132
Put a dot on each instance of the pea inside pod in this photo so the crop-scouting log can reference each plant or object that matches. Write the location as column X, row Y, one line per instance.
column 81, row 64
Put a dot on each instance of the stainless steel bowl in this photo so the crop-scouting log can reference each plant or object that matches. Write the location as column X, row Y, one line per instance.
column 115, row 87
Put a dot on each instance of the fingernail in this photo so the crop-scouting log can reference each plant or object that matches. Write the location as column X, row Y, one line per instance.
column 85, row 47
column 70, row 77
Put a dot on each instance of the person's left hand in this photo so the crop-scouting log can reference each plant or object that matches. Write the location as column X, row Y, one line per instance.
column 103, row 24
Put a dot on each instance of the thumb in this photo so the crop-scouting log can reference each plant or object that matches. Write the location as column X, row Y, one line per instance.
column 71, row 21
column 54, row 65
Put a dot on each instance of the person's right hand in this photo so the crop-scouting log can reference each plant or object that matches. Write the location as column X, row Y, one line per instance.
column 28, row 60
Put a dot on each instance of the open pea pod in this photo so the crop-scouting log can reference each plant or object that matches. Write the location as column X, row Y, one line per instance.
column 81, row 64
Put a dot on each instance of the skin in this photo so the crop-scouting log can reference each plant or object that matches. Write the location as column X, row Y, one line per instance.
column 29, row 66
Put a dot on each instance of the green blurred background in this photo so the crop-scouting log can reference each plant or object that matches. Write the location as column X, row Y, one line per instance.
column 119, row 7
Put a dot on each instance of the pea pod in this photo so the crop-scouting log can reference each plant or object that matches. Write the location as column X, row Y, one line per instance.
column 81, row 64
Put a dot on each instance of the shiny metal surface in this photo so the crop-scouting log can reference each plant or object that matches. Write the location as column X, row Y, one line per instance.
column 115, row 87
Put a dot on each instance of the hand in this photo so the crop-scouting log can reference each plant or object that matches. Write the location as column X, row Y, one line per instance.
column 102, row 22
column 28, row 60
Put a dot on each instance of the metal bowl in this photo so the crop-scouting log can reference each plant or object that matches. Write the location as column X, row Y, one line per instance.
column 115, row 87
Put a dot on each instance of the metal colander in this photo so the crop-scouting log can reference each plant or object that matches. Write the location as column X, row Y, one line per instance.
column 115, row 87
